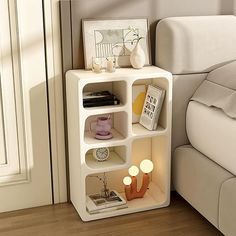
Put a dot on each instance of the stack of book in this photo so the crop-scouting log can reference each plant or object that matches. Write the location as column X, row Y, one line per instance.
column 98, row 204
column 101, row 98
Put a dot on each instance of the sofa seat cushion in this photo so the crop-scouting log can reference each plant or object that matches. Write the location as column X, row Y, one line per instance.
column 212, row 133
column 198, row 180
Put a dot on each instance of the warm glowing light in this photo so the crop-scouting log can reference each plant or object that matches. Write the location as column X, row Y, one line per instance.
column 133, row 170
column 127, row 180
column 146, row 166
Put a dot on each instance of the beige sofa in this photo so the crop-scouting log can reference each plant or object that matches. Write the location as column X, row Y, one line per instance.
column 199, row 52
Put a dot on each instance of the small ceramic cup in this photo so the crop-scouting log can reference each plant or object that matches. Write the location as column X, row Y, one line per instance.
column 111, row 64
column 96, row 65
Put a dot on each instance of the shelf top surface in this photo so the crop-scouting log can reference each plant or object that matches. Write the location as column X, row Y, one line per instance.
column 139, row 130
column 89, row 138
column 148, row 71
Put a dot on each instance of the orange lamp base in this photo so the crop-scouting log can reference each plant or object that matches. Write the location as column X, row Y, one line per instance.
column 131, row 191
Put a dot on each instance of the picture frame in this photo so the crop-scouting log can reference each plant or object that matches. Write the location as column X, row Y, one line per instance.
column 104, row 38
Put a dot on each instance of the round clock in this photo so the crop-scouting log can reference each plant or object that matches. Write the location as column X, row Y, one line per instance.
column 101, row 154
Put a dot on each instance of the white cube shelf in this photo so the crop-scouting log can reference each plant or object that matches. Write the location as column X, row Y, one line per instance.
column 131, row 143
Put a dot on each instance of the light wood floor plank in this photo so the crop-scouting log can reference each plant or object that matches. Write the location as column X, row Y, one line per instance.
column 61, row 220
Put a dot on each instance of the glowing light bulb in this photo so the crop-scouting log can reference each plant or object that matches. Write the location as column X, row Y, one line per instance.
column 133, row 170
column 127, row 180
column 146, row 166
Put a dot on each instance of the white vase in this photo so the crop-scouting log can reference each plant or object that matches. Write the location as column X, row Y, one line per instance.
column 137, row 57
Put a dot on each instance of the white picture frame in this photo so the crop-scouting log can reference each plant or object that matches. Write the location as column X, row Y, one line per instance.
column 103, row 38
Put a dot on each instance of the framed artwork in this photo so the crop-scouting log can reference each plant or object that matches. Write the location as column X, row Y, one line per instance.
column 114, row 38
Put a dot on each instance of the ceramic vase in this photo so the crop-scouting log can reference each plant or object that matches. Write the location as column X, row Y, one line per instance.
column 137, row 57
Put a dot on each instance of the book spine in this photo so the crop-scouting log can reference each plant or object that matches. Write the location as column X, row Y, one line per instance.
column 101, row 103
column 159, row 110
column 94, row 99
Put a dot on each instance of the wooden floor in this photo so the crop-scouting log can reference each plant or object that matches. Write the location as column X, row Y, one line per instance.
column 178, row 219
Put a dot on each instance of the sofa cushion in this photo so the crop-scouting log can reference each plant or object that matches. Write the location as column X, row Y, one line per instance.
column 212, row 133
column 224, row 75
column 219, row 89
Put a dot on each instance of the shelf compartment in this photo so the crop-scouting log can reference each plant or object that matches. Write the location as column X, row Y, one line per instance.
column 155, row 150
column 162, row 123
column 118, row 88
column 154, row 198
column 158, row 193
column 119, row 129
column 117, row 159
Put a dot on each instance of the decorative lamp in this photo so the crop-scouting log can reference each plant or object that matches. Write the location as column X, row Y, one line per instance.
column 131, row 191
column 133, row 170
column 146, row 166
column 127, row 181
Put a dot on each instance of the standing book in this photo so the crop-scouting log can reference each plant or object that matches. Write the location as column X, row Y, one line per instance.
column 152, row 107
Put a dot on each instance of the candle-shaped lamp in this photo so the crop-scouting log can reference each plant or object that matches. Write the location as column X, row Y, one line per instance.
column 131, row 191
column 146, row 167
column 127, row 182
column 133, row 171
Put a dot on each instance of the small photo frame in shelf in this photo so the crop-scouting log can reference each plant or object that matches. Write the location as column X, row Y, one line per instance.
column 114, row 38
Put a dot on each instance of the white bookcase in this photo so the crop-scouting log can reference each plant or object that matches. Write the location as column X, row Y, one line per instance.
column 131, row 143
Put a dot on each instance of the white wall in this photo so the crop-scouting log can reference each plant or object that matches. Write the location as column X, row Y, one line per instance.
column 153, row 9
